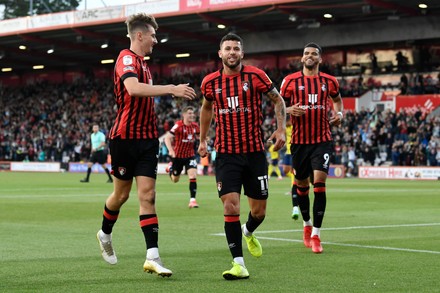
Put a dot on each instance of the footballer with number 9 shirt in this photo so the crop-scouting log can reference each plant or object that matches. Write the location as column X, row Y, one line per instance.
column 309, row 92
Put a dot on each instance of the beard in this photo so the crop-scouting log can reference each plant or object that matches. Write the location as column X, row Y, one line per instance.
column 310, row 66
column 232, row 65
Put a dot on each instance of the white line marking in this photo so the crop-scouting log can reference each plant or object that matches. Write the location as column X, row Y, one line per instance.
column 348, row 244
column 357, row 245
column 355, row 227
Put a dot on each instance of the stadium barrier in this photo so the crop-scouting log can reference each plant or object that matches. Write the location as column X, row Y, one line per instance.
column 405, row 172
column 34, row 166
column 335, row 171
column 96, row 168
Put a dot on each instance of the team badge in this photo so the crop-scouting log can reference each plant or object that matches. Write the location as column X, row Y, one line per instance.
column 127, row 60
column 217, row 91
column 219, row 186
column 245, row 86
column 323, row 87
column 301, row 88
column 122, row 171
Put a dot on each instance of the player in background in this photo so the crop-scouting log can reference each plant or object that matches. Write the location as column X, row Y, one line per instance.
column 287, row 169
column 274, row 158
column 180, row 141
column 310, row 92
column 234, row 93
column 134, row 144
column 97, row 153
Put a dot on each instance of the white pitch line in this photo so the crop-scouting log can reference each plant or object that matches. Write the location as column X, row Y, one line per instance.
column 358, row 245
column 355, row 227
column 347, row 244
column 345, row 228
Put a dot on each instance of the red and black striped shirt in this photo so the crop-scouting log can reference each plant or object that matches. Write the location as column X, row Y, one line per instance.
column 313, row 93
column 184, row 139
column 237, row 105
column 135, row 118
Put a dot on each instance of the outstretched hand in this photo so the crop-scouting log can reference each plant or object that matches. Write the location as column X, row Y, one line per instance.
column 184, row 91
column 295, row 110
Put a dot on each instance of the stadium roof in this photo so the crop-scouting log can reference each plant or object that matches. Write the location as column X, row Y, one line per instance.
column 80, row 46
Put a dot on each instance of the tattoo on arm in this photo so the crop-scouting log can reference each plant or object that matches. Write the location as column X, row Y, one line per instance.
column 280, row 106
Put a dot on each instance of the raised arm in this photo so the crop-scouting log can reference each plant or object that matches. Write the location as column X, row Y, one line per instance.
column 138, row 89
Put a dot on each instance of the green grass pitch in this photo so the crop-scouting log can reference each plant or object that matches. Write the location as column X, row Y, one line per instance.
column 378, row 236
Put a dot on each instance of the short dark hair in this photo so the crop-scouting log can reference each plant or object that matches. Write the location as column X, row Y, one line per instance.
column 314, row 45
column 140, row 21
column 231, row 37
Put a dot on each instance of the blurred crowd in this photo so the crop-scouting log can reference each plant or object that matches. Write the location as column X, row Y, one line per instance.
column 52, row 122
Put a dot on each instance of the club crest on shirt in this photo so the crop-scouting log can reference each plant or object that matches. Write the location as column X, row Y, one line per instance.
column 219, row 186
column 122, row 171
column 127, row 60
column 301, row 87
column 323, row 87
column 217, row 91
column 245, row 86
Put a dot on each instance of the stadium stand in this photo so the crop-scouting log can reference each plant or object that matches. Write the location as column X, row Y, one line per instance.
column 46, row 115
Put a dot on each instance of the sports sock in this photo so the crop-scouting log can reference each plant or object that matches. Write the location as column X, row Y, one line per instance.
column 304, row 201
column 108, row 173
column 108, row 220
column 294, row 195
column 150, row 228
column 193, row 187
column 319, row 203
column 233, row 235
column 307, row 223
column 278, row 171
column 89, row 170
column 152, row 253
column 239, row 260
column 316, row 231
column 270, row 170
column 252, row 224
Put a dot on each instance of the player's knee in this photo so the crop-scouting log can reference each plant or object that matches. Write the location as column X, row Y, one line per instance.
column 120, row 197
column 231, row 208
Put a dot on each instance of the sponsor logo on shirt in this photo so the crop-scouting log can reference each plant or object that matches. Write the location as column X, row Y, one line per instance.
column 128, row 68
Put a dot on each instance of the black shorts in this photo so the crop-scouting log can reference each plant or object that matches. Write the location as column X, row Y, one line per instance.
column 98, row 157
column 131, row 158
column 309, row 157
column 232, row 171
column 179, row 163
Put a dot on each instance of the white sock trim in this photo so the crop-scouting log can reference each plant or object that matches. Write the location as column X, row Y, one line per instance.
column 307, row 223
column 245, row 230
column 316, row 231
column 152, row 253
column 239, row 260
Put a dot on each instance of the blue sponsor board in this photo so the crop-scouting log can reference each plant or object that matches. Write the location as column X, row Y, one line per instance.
column 82, row 168
column 336, row 171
